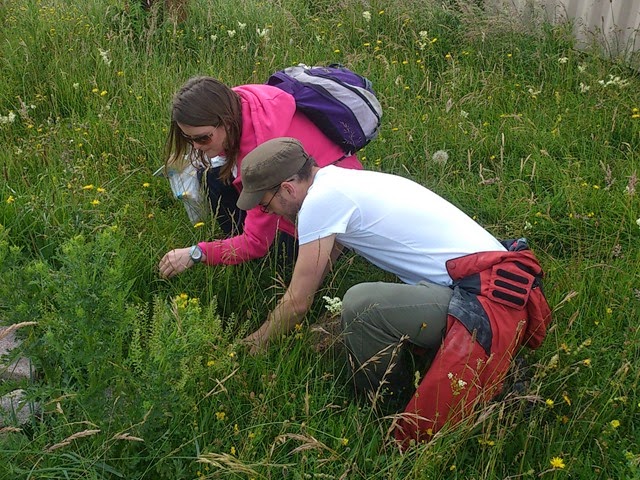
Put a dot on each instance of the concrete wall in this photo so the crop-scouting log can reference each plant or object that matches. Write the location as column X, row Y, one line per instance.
column 613, row 25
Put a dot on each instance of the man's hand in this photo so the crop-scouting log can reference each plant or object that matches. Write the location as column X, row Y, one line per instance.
column 175, row 262
column 255, row 342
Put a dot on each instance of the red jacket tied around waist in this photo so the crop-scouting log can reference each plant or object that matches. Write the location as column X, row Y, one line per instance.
column 497, row 306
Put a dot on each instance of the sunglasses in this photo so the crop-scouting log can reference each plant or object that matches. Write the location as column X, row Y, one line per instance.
column 199, row 139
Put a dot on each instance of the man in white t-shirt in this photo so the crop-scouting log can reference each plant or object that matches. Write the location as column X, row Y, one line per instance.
column 395, row 223
column 458, row 280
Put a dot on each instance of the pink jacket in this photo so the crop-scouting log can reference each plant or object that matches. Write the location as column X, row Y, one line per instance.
column 268, row 112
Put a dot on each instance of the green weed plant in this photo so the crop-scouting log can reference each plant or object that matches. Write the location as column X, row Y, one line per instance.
column 139, row 377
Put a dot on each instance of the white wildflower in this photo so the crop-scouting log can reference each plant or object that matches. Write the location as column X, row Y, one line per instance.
column 584, row 88
column 638, row 222
column 450, row 376
column 615, row 81
column 242, row 26
column 534, row 93
column 563, row 60
column 76, row 86
column 582, row 68
column 105, row 56
column 231, row 33
column 464, row 114
column 262, row 32
column 424, row 39
column 10, row 118
column 527, row 225
column 334, row 305
column 213, row 37
column 366, row 15
column 440, row 157
column 462, row 383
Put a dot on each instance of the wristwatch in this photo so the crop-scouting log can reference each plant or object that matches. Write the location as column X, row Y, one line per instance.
column 195, row 254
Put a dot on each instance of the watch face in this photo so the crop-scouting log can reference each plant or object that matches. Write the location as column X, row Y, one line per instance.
column 196, row 253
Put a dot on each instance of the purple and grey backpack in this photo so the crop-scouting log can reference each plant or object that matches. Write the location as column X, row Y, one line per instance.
column 339, row 102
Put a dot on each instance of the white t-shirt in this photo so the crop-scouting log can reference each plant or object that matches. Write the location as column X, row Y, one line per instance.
column 395, row 223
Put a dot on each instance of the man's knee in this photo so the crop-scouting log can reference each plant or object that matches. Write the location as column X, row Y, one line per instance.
column 355, row 303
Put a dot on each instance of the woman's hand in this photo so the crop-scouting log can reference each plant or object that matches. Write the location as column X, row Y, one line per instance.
column 175, row 262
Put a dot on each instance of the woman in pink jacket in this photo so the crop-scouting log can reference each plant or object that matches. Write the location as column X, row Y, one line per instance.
column 210, row 120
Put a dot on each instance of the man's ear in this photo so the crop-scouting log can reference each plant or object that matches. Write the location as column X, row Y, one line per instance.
column 290, row 187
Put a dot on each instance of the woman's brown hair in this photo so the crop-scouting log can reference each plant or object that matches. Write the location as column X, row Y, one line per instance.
column 204, row 101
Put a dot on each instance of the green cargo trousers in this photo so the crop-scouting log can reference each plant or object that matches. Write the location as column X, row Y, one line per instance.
column 382, row 323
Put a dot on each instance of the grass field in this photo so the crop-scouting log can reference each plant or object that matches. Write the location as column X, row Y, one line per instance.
column 140, row 377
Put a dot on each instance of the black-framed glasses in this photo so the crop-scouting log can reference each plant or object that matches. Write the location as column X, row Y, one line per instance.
column 265, row 208
column 199, row 139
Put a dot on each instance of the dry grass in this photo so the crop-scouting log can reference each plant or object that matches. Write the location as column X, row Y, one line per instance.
column 71, row 438
column 9, row 330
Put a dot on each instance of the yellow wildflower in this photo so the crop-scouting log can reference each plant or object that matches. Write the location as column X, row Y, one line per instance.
column 88, row 187
column 615, row 423
column 345, row 442
column 11, row 199
column 549, row 403
column 220, row 415
column 233, row 451
column 557, row 462
column 95, row 202
column 487, row 442
column 198, row 225
column 146, row 184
